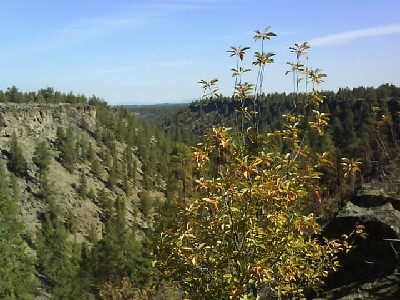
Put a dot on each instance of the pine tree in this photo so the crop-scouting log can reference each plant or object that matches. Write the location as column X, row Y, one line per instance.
column 95, row 166
column 112, row 178
column 45, row 191
column 60, row 134
column 90, row 153
column 55, row 255
column 42, row 157
column 67, row 149
column 17, row 162
column 146, row 203
column 106, row 205
column 15, row 189
column 119, row 255
column 17, row 280
column 83, row 188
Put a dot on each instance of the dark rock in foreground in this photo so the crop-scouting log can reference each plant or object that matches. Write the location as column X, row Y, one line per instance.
column 372, row 269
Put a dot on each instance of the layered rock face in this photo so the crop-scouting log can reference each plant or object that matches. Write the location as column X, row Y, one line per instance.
column 39, row 122
column 372, row 269
column 30, row 119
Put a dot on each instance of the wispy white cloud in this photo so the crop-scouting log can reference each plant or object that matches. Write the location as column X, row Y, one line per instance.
column 134, row 16
column 116, row 70
column 172, row 64
column 76, row 32
column 142, row 67
column 139, row 14
column 348, row 36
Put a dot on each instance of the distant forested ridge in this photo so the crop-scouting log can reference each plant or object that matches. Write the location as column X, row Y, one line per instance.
column 364, row 123
column 156, row 111
column 201, row 114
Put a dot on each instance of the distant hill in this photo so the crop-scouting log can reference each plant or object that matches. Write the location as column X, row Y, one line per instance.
column 156, row 111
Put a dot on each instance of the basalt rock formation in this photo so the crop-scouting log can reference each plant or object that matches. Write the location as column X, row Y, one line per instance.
column 372, row 269
column 30, row 119
column 32, row 123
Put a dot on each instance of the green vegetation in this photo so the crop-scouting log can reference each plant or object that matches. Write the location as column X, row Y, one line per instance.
column 42, row 157
column 355, row 123
column 17, row 163
column 55, row 254
column 48, row 95
column 235, row 217
column 111, row 163
column 246, row 233
column 17, row 271
column 156, row 111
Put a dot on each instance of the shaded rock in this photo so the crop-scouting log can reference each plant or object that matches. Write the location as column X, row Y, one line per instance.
column 371, row 269
column 386, row 288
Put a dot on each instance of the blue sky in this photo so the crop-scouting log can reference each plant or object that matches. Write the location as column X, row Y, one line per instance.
column 155, row 51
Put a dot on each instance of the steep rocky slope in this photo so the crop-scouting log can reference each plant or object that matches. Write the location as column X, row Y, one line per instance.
column 33, row 123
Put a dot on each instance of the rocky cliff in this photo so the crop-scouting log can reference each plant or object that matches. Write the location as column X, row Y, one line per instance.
column 372, row 269
column 28, row 119
column 39, row 122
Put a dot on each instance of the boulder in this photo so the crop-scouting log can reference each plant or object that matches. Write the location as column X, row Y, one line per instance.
column 371, row 270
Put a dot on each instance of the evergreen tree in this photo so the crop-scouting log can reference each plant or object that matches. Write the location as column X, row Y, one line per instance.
column 106, row 205
column 133, row 173
column 90, row 153
column 119, row 255
column 55, row 255
column 83, row 188
column 17, row 280
column 95, row 166
column 108, row 159
column 15, row 189
column 180, row 179
column 112, row 178
column 128, row 161
column 72, row 222
column 17, row 162
column 14, row 95
column 67, row 149
column 42, row 157
column 146, row 203
column 45, row 191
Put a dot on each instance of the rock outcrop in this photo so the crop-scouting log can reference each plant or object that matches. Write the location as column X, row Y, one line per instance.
column 34, row 122
column 372, row 269
column 30, row 119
